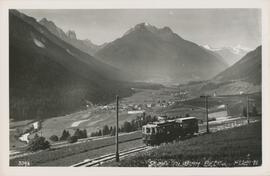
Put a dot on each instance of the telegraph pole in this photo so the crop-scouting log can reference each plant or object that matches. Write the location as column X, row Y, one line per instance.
column 247, row 110
column 227, row 109
column 116, row 132
column 206, row 111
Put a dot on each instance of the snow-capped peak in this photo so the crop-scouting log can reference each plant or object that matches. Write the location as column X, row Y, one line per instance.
column 207, row 47
column 146, row 24
column 236, row 50
column 211, row 48
column 142, row 26
column 243, row 47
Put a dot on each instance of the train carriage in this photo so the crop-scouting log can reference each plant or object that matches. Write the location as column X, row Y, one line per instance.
column 188, row 125
column 158, row 132
column 166, row 131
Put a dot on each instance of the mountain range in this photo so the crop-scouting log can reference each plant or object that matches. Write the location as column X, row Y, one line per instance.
column 54, row 73
column 248, row 69
column 230, row 54
column 160, row 55
column 245, row 76
column 49, row 77
column 70, row 37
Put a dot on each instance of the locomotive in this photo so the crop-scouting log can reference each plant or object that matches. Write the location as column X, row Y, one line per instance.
column 166, row 131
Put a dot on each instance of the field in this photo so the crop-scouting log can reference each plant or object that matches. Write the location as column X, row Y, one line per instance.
column 223, row 88
column 14, row 141
column 150, row 95
column 85, row 120
column 90, row 119
column 79, row 157
column 236, row 147
column 196, row 106
column 15, row 124
column 77, row 150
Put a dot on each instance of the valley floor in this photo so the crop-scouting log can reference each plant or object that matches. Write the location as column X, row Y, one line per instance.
column 170, row 101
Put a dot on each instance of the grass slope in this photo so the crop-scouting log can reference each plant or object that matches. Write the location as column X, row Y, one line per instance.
column 73, row 150
column 236, row 147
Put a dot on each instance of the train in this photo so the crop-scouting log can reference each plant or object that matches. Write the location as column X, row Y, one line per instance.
column 166, row 131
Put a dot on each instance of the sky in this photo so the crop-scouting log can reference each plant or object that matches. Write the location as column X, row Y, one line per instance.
column 214, row 27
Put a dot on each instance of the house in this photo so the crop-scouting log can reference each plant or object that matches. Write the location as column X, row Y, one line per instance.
column 162, row 118
column 136, row 112
column 36, row 125
column 149, row 105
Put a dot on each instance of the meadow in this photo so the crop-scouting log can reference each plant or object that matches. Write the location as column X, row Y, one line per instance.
column 196, row 106
column 71, row 150
column 237, row 147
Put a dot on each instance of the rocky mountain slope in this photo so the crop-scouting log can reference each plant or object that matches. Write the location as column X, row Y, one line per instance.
column 70, row 37
column 246, row 69
column 160, row 55
column 245, row 76
column 50, row 77
column 230, row 54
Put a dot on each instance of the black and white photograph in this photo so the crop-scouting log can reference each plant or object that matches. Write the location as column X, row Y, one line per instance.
column 135, row 88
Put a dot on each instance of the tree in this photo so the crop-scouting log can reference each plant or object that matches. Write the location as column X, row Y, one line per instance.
column 38, row 143
column 99, row 132
column 65, row 135
column 54, row 138
column 84, row 133
column 36, row 136
column 29, row 130
column 80, row 134
column 93, row 134
column 77, row 134
column 127, row 127
column 72, row 139
column 244, row 112
column 134, row 125
column 113, row 131
column 105, row 130
column 254, row 111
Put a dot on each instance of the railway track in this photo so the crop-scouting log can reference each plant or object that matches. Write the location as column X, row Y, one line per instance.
column 109, row 157
column 99, row 160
